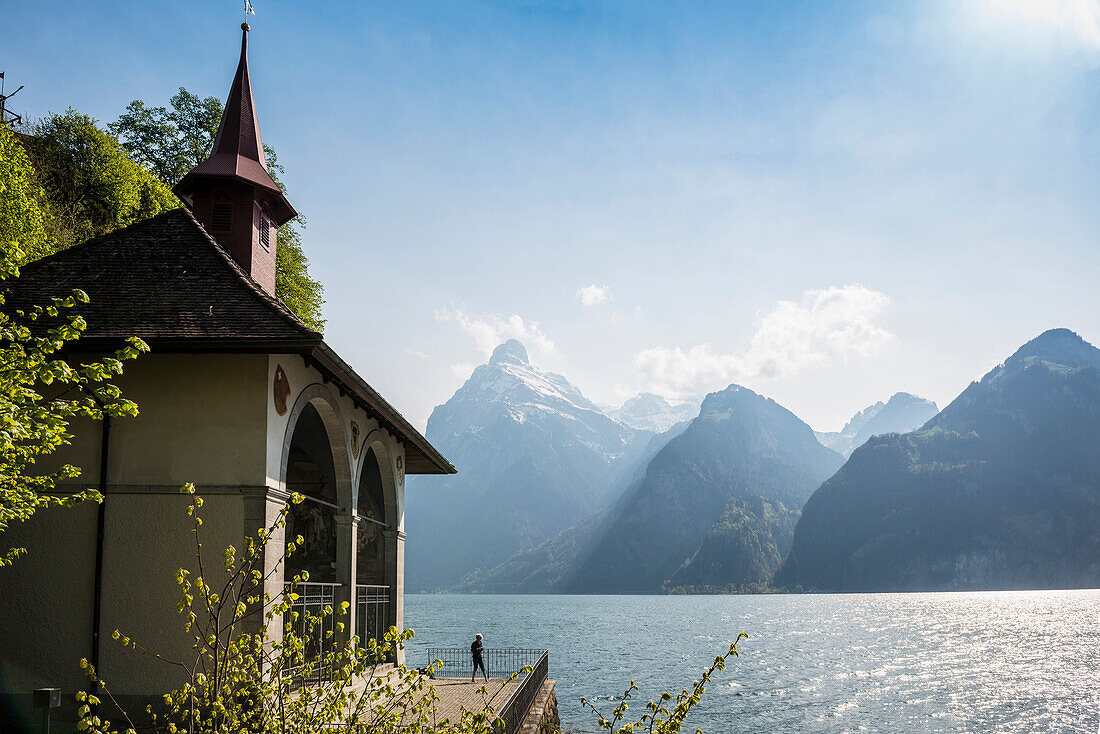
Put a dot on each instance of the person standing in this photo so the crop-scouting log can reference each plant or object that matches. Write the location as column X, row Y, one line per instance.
column 477, row 651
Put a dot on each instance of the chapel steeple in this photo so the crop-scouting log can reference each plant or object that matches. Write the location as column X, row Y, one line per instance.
column 231, row 193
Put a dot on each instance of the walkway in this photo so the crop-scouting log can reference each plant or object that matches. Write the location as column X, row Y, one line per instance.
column 456, row 693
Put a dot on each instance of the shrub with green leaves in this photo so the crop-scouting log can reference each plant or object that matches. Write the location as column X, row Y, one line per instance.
column 663, row 715
column 254, row 666
column 91, row 184
column 41, row 393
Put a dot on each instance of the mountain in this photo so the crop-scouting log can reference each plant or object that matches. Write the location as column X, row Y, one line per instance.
column 1000, row 490
column 539, row 570
column 743, row 454
column 533, row 455
column 649, row 412
column 900, row 414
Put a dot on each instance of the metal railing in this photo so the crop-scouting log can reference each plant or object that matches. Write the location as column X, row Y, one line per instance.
column 313, row 597
column 518, row 706
column 457, row 662
column 372, row 603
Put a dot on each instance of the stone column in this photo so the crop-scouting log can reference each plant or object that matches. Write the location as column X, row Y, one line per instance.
column 262, row 507
column 346, row 532
column 395, row 578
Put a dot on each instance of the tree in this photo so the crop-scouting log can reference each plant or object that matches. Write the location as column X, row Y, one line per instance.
column 92, row 187
column 22, row 200
column 40, row 393
column 170, row 142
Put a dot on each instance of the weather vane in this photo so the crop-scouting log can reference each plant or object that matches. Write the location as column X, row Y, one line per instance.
column 248, row 9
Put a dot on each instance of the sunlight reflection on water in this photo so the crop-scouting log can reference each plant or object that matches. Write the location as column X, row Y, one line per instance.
column 950, row 662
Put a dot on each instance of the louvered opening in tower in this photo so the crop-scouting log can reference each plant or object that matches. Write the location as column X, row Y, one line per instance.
column 221, row 218
column 265, row 233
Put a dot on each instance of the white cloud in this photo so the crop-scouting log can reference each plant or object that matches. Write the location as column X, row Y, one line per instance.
column 1076, row 22
column 594, row 295
column 829, row 324
column 490, row 331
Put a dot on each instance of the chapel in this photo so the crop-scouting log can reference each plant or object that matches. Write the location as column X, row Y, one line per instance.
column 237, row 396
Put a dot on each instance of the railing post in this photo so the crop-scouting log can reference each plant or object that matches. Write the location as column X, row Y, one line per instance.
column 345, row 575
column 395, row 577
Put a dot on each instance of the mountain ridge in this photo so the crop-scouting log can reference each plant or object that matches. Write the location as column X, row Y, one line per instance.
column 997, row 491
column 534, row 456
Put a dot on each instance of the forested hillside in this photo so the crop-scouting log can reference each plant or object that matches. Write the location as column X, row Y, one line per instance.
column 1001, row 490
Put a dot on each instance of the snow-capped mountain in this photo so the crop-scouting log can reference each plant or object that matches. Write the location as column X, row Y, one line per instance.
column 533, row 456
column 648, row 412
column 902, row 413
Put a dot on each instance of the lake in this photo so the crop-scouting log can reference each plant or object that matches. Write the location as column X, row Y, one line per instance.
column 945, row 662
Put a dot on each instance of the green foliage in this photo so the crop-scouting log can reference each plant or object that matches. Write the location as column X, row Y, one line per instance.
column 91, row 185
column 170, row 142
column 293, row 284
column 741, row 550
column 40, row 393
column 661, row 716
column 237, row 678
column 23, row 203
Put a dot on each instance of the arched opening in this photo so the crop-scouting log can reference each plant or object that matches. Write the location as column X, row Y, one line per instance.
column 371, row 579
column 370, row 551
column 310, row 472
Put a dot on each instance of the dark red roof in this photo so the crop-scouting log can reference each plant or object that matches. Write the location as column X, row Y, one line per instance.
column 238, row 152
column 167, row 281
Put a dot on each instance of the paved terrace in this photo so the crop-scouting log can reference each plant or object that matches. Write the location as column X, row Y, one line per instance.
column 456, row 693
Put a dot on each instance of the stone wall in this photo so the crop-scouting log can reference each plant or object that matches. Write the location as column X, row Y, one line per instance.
column 543, row 716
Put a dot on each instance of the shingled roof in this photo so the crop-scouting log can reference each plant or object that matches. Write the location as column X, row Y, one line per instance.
column 163, row 278
column 167, row 281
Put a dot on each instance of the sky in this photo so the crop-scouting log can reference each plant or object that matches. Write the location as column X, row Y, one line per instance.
column 825, row 202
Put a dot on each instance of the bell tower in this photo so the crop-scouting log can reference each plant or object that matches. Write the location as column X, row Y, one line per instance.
column 231, row 193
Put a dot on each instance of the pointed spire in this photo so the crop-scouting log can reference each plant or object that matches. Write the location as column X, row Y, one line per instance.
column 238, row 151
column 239, row 133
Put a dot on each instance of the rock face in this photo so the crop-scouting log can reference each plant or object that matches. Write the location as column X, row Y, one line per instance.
column 649, row 412
column 713, row 507
column 1001, row 490
column 902, row 413
column 533, row 455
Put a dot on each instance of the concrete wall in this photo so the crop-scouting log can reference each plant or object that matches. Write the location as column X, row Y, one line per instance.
column 45, row 609
column 208, row 419
column 202, row 420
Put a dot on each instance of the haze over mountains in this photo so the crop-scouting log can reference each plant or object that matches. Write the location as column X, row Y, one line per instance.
column 534, row 456
column 1000, row 490
column 554, row 495
column 649, row 412
column 902, row 413
column 714, row 506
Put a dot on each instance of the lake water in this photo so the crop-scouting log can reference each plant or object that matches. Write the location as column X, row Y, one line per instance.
column 950, row 662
